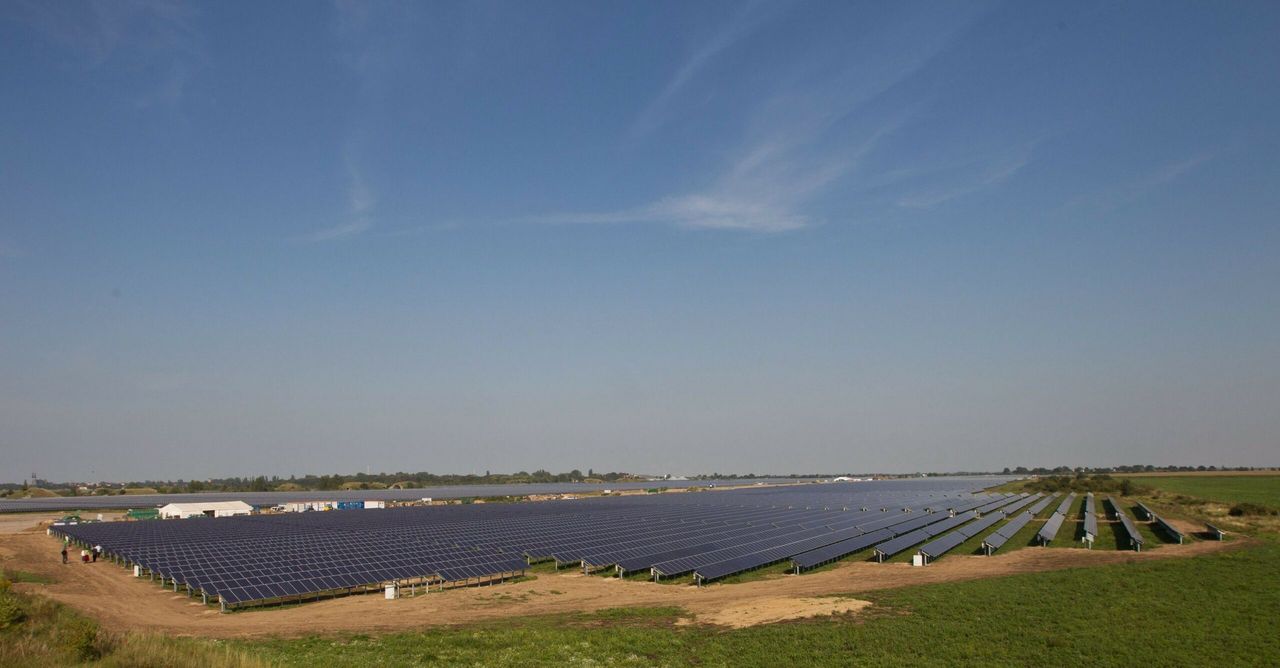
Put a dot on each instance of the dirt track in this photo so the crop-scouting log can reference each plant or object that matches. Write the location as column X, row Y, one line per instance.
column 121, row 602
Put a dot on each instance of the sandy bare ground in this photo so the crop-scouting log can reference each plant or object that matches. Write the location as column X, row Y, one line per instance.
column 769, row 609
column 121, row 602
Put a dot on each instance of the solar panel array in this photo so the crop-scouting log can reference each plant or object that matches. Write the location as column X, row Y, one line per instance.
column 1066, row 504
column 941, row 546
column 1135, row 538
column 267, row 558
column 1090, row 519
column 932, row 529
column 1160, row 522
column 1042, row 504
column 1019, row 505
column 1050, row 528
column 1003, row 534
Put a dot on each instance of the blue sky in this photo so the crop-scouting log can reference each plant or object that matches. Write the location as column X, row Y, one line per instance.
column 241, row 238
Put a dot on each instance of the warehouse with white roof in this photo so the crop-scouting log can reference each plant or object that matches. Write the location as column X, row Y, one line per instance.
column 205, row 509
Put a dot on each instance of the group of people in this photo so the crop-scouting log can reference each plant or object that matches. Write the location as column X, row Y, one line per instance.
column 86, row 556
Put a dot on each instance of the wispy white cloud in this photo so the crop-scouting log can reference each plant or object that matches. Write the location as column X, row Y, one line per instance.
column 810, row 132
column 762, row 191
column 749, row 17
column 360, row 204
column 338, row 232
column 972, row 178
column 1170, row 172
column 1156, row 177
column 417, row 230
column 692, row 211
column 364, row 51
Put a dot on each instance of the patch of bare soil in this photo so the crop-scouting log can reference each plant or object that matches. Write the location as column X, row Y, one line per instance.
column 25, row 522
column 121, row 602
column 770, row 609
column 1186, row 527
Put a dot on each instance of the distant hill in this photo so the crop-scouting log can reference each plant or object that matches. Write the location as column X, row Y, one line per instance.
column 33, row 493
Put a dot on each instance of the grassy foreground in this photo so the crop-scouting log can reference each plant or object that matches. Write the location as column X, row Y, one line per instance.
column 36, row 631
column 1217, row 608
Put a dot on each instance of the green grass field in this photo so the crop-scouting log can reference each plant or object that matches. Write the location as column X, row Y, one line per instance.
column 1223, row 489
column 1176, row 612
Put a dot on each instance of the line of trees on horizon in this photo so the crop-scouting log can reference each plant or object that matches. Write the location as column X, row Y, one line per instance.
column 1127, row 468
column 405, row 480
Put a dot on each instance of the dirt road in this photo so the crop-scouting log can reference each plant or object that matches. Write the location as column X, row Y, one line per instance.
column 121, row 602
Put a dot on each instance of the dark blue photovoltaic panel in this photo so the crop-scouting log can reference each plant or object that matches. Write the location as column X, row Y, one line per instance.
column 1004, row 533
column 243, row 560
column 937, row 548
column 1135, row 538
column 971, row 530
column 1051, row 527
column 1041, row 505
column 1066, row 504
column 843, row 548
column 1169, row 529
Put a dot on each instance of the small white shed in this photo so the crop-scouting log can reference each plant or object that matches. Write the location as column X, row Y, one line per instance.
column 207, row 509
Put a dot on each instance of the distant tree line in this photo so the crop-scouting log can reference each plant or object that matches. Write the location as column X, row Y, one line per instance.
column 1083, row 482
column 1129, row 468
column 328, row 482
column 404, row 480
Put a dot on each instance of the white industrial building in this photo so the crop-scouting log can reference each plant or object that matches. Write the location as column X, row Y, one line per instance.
column 310, row 506
column 205, row 509
column 307, row 506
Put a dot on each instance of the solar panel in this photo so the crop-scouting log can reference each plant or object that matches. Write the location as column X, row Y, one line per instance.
column 1135, row 538
column 1065, row 506
column 937, row 548
column 1169, row 529
column 1050, row 528
column 263, row 558
column 841, row 549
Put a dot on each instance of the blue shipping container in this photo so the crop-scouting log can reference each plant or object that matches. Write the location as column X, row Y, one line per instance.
column 351, row 505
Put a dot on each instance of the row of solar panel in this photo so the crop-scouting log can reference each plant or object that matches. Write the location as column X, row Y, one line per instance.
column 1135, row 538
column 826, row 550
column 248, row 559
column 1090, row 519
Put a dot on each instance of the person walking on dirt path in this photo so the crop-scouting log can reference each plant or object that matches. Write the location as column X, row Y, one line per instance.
column 96, row 550
column 64, row 554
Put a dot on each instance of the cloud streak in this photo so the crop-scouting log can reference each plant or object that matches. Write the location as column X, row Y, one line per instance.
column 1170, row 172
column 1159, row 176
column 360, row 204
column 366, row 54
column 811, row 131
column 742, row 25
column 975, row 177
